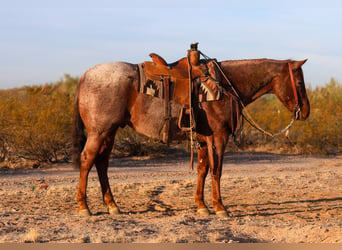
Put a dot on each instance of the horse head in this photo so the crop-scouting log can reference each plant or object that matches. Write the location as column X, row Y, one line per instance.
column 289, row 87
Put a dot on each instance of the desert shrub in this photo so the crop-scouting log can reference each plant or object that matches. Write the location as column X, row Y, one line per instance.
column 322, row 132
column 3, row 148
column 35, row 124
column 36, row 121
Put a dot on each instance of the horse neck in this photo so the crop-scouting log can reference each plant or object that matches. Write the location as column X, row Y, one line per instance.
column 251, row 78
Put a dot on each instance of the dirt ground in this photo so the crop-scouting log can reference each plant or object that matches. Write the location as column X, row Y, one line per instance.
column 270, row 198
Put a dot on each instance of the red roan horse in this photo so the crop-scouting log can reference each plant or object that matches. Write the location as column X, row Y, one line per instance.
column 107, row 98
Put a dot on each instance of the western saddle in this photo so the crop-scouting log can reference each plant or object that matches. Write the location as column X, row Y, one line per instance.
column 186, row 81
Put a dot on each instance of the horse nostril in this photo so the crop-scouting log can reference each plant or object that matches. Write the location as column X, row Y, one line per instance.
column 305, row 112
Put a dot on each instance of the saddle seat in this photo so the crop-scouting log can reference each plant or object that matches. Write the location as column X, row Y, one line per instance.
column 159, row 67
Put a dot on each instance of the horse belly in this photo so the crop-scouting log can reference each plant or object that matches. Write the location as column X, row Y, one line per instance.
column 148, row 118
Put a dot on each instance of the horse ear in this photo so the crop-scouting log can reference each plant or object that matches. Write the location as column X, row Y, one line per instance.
column 298, row 64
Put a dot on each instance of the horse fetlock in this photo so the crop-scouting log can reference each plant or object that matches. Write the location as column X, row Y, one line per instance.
column 113, row 210
column 84, row 212
column 203, row 212
column 222, row 214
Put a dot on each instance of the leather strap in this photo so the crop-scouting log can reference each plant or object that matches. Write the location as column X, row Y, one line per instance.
column 293, row 85
column 167, row 109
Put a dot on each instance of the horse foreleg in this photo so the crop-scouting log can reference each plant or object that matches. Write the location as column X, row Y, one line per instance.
column 102, row 162
column 202, row 171
column 215, row 152
column 216, row 190
column 88, row 156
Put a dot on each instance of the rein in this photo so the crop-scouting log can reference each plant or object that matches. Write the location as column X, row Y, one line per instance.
column 245, row 113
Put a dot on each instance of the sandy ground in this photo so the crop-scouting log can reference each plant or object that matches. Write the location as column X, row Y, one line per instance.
column 270, row 198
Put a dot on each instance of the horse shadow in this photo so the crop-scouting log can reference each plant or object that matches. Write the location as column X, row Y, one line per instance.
column 243, row 158
column 288, row 207
column 156, row 204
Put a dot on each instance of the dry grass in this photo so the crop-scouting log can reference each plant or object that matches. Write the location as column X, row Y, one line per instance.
column 32, row 235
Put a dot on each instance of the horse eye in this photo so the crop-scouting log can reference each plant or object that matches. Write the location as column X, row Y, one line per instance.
column 299, row 83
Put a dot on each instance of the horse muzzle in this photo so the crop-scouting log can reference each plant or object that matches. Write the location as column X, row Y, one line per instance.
column 301, row 113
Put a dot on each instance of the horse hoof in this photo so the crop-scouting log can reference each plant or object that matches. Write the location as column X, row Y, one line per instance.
column 113, row 210
column 203, row 212
column 222, row 214
column 84, row 213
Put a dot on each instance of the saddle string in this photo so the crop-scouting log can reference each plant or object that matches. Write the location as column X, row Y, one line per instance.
column 191, row 122
column 246, row 115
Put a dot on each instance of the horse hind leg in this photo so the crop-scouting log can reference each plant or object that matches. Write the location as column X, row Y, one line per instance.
column 88, row 157
column 101, row 163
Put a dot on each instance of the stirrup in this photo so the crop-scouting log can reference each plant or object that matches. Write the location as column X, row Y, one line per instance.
column 186, row 120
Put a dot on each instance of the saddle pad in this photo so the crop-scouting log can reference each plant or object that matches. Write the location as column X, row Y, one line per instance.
column 152, row 86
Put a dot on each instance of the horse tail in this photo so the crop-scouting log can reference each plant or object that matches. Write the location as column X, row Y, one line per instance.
column 78, row 135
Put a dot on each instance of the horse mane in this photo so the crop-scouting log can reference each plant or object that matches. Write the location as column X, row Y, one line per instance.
column 255, row 61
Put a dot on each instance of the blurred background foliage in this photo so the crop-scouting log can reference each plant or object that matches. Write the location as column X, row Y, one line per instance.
column 36, row 121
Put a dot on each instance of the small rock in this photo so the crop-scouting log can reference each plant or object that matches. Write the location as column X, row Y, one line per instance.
column 36, row 165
